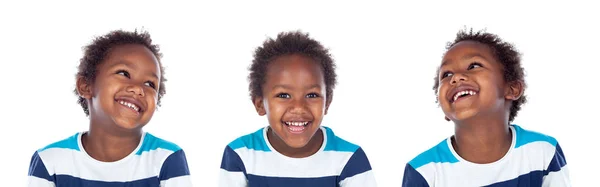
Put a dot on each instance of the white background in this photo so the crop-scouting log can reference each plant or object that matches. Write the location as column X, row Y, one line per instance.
column 386, row 54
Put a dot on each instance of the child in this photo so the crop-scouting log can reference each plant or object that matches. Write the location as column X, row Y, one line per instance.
column 291, row 82
column 120, row 81
column 480, row 86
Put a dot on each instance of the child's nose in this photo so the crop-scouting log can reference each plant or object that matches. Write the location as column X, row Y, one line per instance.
column 138, row 90
column 459, row 77
column 298, row 106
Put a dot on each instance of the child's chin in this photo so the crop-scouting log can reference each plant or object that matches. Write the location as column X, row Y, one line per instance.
column 128, row 124
column 296, row 143
column 464, row 115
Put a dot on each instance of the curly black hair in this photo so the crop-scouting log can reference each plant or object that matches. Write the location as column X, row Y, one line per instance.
column 505, row 53
column 288, row 43
column 96, row 52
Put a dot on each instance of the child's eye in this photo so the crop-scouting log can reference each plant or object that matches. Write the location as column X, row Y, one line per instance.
column 124, row 73
column 284, row 95
column 446, row 74
column 474, row 65
column 150, row 84
column 312, row 95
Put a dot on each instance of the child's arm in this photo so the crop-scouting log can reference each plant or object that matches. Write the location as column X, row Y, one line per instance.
column 357, row 172
column 412, row 178
column 557, row 174
column 38, row 174
column 233, row 171
column 175, row 171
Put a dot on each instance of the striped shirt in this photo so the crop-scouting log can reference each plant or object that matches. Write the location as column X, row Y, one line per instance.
column 534, row 159
column 251, row 161
column 155, row 162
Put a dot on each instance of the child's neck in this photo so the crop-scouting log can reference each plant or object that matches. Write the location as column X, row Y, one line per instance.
column 312, row 147
column 108, row 145
column 482, row 141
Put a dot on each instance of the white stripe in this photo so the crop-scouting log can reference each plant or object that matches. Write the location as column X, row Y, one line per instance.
column 364, row 179
column 39, row 182
column 271, row 164
column 181, row 181
column 74, row 163
column 232, row 179
column 534, row 156
column 558, row 178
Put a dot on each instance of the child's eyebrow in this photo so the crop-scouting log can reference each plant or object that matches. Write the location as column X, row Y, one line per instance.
column 473, row 55
column 284, row 86
column 132, row 65
column 313, row 86
column 154, row 75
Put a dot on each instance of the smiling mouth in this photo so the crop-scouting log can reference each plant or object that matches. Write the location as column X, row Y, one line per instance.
column 297, row 127
column 131, row 106
column 462, row 94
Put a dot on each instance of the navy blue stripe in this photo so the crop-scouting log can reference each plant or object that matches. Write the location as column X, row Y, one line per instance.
column 70, row 181
column 532, row 179
column 262, row 181
column 231, row 161
column 38, row 169
column 357, row 164
column 412, row 178
column 174, row 166
column 558, row 161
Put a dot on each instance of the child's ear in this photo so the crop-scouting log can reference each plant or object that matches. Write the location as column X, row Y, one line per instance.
column 327, row 103
column 84, row 89
column 259, row 105
column 514, row 90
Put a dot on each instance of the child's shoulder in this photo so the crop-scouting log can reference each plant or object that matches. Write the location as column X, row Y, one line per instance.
column 254, row 141
column 69, row 143
column 154, row 143
column 257, row 141
column 439, row 153
column 527, row 137
column 335, row 143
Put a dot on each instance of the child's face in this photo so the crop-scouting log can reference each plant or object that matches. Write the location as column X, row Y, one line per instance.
column 294, row 99
column 125, row 90
column 471, row 82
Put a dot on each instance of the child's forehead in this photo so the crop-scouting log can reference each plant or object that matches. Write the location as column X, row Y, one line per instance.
column 121, row 51
column 466, row 50
column 293, row 62
column 134, row 55
column 294, row 67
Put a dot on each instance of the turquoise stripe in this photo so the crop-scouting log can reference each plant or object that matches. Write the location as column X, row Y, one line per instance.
column 151, row 142
column 335, row 143
column 526, row 136
column 255, row 141
column 68, row 143
column 439, row 154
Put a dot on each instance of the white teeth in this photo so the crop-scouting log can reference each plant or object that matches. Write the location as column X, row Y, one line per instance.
column 299, row 124
column 461, row 93
column 130, row 105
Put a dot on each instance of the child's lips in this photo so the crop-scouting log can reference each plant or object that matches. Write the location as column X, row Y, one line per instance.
column 463, row 95
column 297, row 127
column 131, row 103
column 461, row 91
